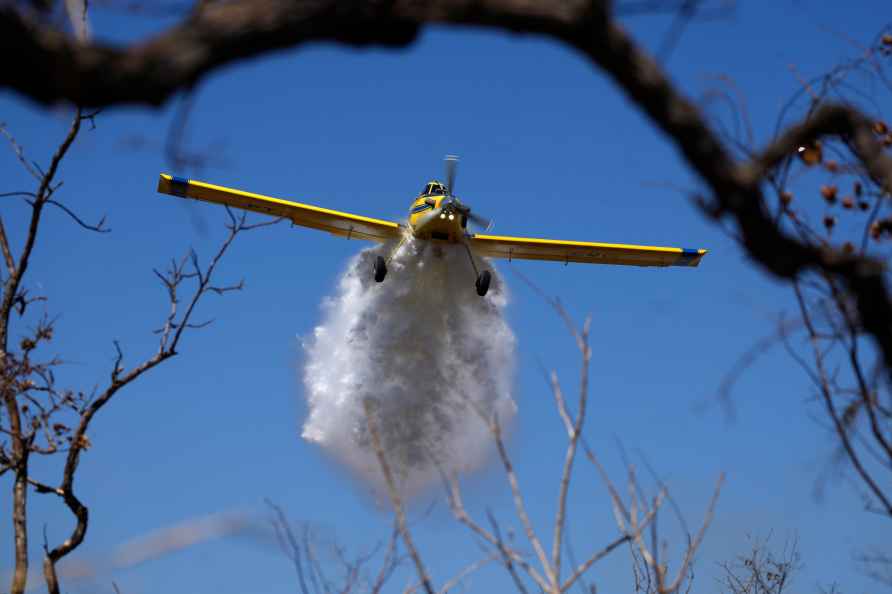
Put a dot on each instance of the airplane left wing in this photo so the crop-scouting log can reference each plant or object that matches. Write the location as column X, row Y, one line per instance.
column 529, row 248
column 339, row 223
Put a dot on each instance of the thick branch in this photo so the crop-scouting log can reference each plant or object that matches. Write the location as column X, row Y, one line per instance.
column 81, row 513
column 61, row 68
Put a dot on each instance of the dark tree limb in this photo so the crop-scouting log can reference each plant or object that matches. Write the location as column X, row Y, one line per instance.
column 61, row 68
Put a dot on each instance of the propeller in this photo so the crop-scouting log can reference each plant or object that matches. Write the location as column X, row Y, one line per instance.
column 482, row 222
column 451, row 163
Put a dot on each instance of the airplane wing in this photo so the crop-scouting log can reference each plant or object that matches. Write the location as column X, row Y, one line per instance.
column 528, row 248
column 339, row 223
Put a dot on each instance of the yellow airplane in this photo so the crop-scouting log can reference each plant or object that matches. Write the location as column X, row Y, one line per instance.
column 436, row 215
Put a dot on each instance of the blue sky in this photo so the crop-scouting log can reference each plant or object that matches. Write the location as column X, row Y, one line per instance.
column 549, row 148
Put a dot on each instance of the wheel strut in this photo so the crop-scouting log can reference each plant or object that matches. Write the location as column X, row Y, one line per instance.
column 380, row 266
column 483, row 276
column 396, row 249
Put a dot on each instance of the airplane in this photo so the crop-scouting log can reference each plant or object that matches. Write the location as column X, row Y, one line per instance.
column 436, row 215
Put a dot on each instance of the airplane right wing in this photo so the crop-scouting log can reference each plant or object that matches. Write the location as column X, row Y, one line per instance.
column 529, row 248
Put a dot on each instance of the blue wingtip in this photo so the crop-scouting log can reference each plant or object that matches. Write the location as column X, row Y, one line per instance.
column 179, row 186
column 688, row 257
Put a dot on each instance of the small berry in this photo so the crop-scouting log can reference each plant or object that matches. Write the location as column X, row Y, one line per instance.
column 881, row 227
column 811, row 154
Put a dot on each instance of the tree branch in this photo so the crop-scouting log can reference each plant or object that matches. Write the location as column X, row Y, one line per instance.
column 98, row 227
column 509, row 556
column 396, row 500
column 574, row 431
column 7, row 253
column 11, row 296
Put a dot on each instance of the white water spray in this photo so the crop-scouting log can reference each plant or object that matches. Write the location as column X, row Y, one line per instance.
column 428, row 352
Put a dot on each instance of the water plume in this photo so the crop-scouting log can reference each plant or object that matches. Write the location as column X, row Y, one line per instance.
column 429, row 354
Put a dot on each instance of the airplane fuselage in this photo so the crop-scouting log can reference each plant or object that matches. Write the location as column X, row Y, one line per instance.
column 437, row 217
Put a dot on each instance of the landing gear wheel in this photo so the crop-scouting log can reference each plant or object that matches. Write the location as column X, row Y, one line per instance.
column 464, row 221
column 483, row 282
column 381, row 269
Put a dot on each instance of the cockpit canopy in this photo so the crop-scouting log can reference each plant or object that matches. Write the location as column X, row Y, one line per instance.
column 433, row 188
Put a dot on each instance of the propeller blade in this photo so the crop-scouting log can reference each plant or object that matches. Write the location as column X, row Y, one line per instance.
column 482, row 222
column 451, row 164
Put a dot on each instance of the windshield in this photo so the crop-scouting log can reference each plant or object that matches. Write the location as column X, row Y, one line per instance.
column 433, row 188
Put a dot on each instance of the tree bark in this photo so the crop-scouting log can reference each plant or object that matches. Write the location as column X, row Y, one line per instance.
column 20, row 518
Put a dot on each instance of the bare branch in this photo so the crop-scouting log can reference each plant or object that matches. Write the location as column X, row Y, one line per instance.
column 7, row 253
column 292, row 549
column 687, row 10
column 30, row 167
column 391, row 560
column 507, row 559
column 694, row 545
column 574, row 433
column 821, row 380
column 749, row 358
column 471, row 568
column 13, row 296
column 510, row 557
column 519, row 506
column 98, row 227
column 396, row 500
